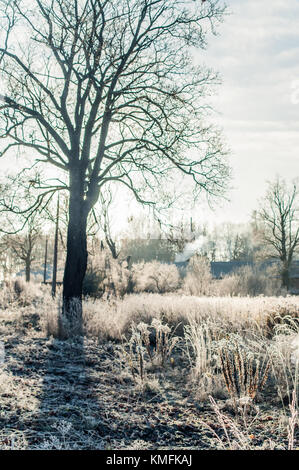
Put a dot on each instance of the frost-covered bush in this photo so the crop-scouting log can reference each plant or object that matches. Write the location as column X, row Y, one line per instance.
column 198, row 280
column 149, row 343
column 105, row 275
column 250, row 281
column 93, row 283
column 120, row 280
column 155, row 277
column 17, row 291
column 245, row 281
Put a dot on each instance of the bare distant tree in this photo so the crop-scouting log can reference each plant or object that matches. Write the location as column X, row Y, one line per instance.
column 180, row 235
column 103, row 221
column 278, row 224
column 106, row 90
column 210, row 248
column 24, row 245
column 22, row 232
column 237, row 242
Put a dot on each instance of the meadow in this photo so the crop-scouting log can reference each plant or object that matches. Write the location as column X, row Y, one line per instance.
column 152, row 371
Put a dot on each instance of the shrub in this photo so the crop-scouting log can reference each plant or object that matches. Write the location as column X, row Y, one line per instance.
column 200, row 347
column 19, row 286
column 243, row 373
column 155, row 277
column 251, row 281
column 120, row 278
column 105, row 275
column 152, row 343
column 198, row 280
column 284, row 351
column 20, row 293
column 93, row 283
column 246, row 281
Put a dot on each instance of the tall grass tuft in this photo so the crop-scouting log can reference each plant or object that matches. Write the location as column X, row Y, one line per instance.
column 243, row 373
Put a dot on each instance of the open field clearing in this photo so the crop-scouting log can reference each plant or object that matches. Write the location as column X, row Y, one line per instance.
column 152, row 372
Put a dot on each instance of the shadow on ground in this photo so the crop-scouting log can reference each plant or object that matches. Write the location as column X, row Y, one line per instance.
column 78, row 394
column 73, row 395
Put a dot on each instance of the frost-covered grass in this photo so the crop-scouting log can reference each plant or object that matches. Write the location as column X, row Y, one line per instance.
column 111, row 319
column 151, row 372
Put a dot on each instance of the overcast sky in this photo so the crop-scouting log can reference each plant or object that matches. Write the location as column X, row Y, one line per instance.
column 257, row 54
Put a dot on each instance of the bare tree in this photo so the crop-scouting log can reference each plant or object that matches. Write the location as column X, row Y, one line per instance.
column 103, row 221
column 106, row 90
column 24, row 245
column 22, row 232
column 182, row 234
column 278, row 224
column 237, row 242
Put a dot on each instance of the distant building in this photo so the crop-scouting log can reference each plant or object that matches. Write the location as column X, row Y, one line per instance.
column 219, row 269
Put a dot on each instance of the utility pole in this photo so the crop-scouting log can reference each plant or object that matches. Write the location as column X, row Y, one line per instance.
column 54, row 276
column 46, row 259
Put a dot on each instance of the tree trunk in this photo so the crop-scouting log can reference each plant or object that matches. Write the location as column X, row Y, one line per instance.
column 28, row 269
column 75, row 265
column 285, row 277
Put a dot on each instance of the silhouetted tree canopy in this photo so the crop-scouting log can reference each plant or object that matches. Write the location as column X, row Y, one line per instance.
column 107, row 91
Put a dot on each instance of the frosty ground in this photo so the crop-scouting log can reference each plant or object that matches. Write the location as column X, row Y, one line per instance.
column 91, row 393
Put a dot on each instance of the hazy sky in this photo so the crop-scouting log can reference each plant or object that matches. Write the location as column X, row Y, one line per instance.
column 257, row 54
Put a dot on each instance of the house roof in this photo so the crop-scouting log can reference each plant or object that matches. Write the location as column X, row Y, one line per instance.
column 222, row 268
